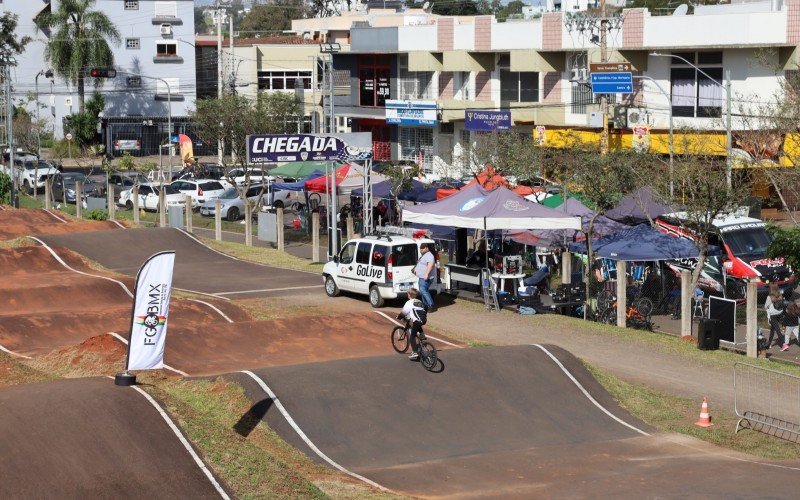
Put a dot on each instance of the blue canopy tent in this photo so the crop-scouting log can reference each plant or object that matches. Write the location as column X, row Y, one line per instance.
column 640, row 243
column 419, row 192
column 299, row 185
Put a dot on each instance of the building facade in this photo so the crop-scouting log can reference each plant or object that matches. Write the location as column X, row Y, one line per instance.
column 156, row 51
column 539, row 70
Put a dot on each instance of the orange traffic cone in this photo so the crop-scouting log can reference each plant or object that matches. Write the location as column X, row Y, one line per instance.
column 705, row 418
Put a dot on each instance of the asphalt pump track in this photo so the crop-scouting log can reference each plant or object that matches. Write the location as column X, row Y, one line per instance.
column 518, row 421
column 197, row 267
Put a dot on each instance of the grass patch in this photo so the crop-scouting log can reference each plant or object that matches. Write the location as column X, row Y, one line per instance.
column 18, row 243
column 266, row 309
column 15, row 372
column 676, row 414
column 268, row 256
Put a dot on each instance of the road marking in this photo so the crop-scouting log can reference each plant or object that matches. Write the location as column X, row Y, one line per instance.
column 185, row 443
column 14, row 353
column 586, row 393
column 429, row 336
column 190, row 235
column 212, row 306
column 302, row 434
column 166, row 366
column 117, row 223
column 220, row 294
column 200, row 293
column 54, row 215
column 55, row 255
column 705, row 451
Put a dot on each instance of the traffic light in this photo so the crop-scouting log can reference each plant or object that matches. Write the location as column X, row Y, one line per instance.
column 103, row 73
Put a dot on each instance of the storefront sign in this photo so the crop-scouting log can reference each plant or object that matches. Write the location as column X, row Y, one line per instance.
column 414, row 113
column 479, row 120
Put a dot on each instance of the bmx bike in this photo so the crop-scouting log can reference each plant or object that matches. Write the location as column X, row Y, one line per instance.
column 427, row 352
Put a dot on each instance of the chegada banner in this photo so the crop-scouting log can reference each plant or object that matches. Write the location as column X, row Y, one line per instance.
column 150, row 313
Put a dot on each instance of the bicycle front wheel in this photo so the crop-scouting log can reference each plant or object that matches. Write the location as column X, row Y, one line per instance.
column 428, row 357
column 399, row 339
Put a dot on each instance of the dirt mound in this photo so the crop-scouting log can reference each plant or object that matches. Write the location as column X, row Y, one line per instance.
column 25, row 222
column 51, row 292
column 34, row 334
column 221, row 347
column 98, row 354
column 26, row 215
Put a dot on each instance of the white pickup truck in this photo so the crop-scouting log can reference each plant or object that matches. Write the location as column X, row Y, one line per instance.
column 30, row 171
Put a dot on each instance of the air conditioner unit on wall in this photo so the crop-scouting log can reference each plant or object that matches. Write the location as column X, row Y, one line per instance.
column 166, row 29
column 636, row 116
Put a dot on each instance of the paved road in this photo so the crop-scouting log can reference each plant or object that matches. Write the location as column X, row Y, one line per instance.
column 197, row 267
column 497, row 422
column 87, row 438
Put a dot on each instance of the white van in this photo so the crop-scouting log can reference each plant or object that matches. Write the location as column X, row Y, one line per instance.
column 380, row 266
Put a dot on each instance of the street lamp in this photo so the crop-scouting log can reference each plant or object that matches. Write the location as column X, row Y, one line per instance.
column 671, row 141
column 727, row 88
column 46, row 74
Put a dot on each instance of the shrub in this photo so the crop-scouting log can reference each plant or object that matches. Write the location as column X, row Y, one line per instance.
column 97, row 214
column 5, row 188
column 786, row 244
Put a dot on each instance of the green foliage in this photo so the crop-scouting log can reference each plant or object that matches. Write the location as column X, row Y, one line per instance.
column 399, row 177
column 9, row 45
column 79, row 41
column 459, row 8
column 273, row 17
column 5, row 189
column 126, row 162
column 83, row 125
column 97, row 214
column 786, row 244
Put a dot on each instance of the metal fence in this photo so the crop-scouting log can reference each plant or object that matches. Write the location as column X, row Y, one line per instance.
column 767, row 401
column 143, row 135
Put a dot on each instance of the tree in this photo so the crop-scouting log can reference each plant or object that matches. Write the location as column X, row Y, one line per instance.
column 512, row 8
column 273, row 17
column 457, row 8
column 232, row 118
column 202, row 25
column 10, row 46
column 79, row 42
column 83, row 125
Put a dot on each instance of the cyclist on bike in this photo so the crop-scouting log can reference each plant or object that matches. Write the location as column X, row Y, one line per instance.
column 414, row 311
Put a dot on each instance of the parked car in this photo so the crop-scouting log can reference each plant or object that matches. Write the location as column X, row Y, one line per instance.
column 257, row 175
column 64, row 185
column 201, row 171
column 379, row 266
column 122, row 180
column 148, row 196
column 232, row 205
column 29, row 171
column 200, row 190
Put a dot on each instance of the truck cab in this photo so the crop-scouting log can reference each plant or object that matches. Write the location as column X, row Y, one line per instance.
column 743, row 242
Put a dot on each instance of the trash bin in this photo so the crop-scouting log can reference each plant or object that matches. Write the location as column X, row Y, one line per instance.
column 175, row 216
column 708, row 334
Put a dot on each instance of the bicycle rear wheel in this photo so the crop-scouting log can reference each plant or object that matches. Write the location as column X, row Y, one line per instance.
column 644, row 306
column 604, row 300
column 399, row 339
column 428, row 357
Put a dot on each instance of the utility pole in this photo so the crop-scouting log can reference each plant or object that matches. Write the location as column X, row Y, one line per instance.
column 10, row 132
column 603, row 59
column 218, row 19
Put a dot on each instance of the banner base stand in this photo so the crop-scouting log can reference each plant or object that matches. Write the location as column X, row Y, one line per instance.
column 125, row 379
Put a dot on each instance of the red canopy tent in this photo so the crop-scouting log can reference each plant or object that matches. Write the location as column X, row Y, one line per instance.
column 487, row 179
column 348, row 177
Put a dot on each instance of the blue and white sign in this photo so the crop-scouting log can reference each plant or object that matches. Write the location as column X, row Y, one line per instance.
column 612, row 83
column 413, row 113
column 481, row 120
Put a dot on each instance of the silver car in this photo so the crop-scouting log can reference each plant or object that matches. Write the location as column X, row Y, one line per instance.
column 231, row 204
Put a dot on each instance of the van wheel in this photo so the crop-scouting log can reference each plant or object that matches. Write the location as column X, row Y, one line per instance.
column 129, row 205
column 27, row 187
column 375, row 298
column 277, row 204
column 330, row 287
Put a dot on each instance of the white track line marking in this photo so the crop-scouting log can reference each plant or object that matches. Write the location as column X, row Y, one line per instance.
column 185, row 443
column 236, row 258
column 302, row 434
column 220, row 294
column 14, row 353
column 212, row 306
column 200, row 293
column 586, row 393
column 54, row 215
column 115, row 221
column 166, row 366
column 705, row 451
column 55, row 255
column 429, row 336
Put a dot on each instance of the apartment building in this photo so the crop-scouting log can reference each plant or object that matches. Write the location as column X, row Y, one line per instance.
column 413, row 85
column 156, row 50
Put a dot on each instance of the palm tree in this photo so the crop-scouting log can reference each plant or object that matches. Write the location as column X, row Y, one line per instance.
column 78, row 41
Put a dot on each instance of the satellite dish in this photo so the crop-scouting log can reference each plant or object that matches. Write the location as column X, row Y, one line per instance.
column 682, row 10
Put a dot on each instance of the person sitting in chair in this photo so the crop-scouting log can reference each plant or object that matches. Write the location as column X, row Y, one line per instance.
column 478, row 257
column 540, row 279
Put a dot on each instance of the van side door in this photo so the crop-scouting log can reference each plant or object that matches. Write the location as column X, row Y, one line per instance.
column 346, row 268
column 364, row 270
